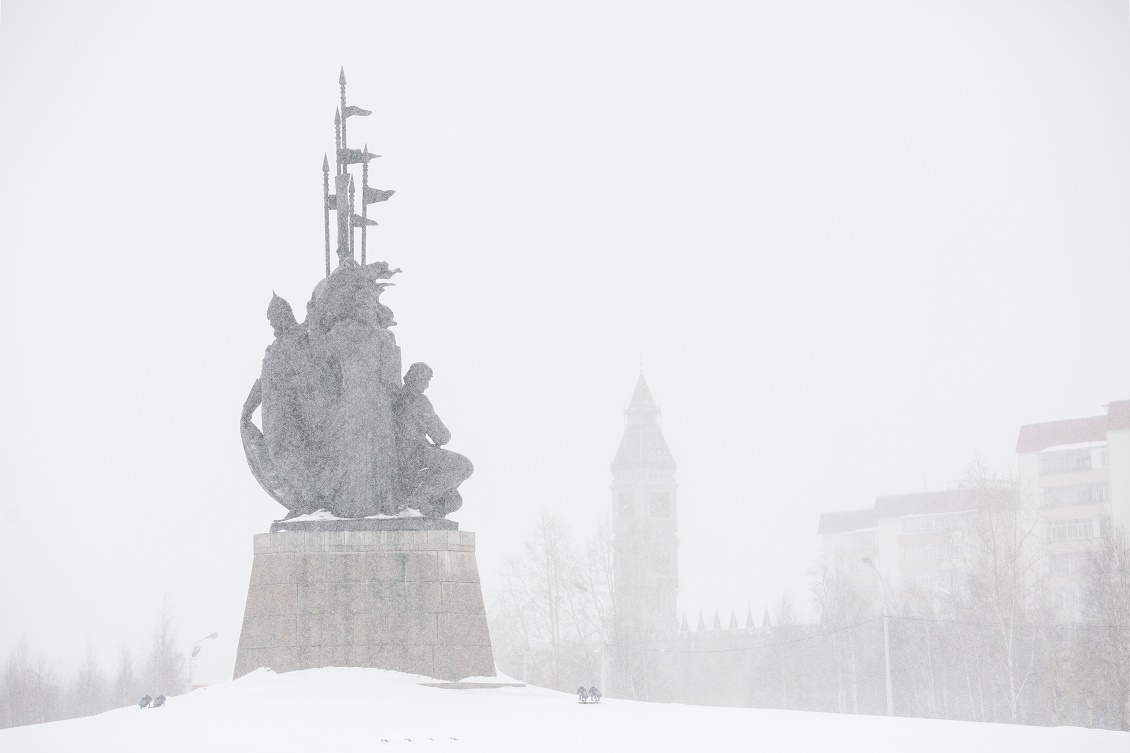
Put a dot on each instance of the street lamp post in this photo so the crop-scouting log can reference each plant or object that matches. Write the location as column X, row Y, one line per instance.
column 886, row 635
column 192, row 656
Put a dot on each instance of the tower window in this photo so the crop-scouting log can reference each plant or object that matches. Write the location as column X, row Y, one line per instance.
column 660, row 505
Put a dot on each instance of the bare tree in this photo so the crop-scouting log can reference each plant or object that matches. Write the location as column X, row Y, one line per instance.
column 600, row 582
column 166, row 664
column 47, row 692
column 19, row 706
column 32, row 690
column 840, row 606
column 1002, row 578
column 786, row 630
column 919, row 650
column 1105, row 641
column 547, row 607
column 127, row 687
column 89, row 691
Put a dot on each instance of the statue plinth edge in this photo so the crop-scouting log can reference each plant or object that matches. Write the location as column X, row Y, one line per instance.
column 366, row 524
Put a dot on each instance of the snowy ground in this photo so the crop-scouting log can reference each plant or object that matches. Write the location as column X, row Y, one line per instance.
column 374, row 710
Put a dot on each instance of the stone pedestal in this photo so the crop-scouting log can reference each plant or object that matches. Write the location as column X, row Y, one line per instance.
column 392, row 599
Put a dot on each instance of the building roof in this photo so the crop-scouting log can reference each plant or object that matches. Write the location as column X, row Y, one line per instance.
column 846, row 520
column 925, row 503
column 641, row 397
column 1118, row 415
column 897, row 506
column 1037, row 437
column 643, row 449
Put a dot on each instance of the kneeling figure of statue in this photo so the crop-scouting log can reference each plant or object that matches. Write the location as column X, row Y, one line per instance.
column 429, row 475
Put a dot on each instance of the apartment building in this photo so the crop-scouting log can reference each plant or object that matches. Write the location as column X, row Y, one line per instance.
column 1076, row 474
column 851, row 541
column 912, row 539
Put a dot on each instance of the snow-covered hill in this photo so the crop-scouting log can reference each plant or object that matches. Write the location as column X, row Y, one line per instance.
column 373, row 710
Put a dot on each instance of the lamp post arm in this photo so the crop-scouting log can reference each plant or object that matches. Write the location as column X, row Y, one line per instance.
column 192, row 656
column 886, row 636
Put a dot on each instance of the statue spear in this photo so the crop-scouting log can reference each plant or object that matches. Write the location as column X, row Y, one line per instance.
column 326, row 206
column 364, row 204
column 350, row 219
column 340, row 197
column 344, row 115
column 337, row 140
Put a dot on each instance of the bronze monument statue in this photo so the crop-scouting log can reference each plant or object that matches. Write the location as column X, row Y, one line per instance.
column 342, row 431
column 365, row 570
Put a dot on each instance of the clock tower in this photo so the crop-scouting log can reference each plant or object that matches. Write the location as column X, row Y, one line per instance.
column 644, row 524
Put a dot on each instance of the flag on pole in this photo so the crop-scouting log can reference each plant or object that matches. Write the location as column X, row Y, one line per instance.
column 353, row 156
column 359, row 221
column 354, row 110
column 373, row 195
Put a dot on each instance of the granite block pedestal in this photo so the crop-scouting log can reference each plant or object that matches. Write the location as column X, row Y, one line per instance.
column 406, row 600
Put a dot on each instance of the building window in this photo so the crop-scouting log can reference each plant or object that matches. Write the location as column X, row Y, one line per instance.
column 1066, row 530
column 871, row 592
column 1065, row 461
column 627, row 505
column 660, row 504
column 1075, row 494
column 954, row 523
column 957, row 548
column 1067, row 564
column 924, row 579
column 918, row 553
column 917, row 525
column 863, row 540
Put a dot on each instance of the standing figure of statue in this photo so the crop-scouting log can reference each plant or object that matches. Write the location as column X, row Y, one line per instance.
column 349, row 325
column 294, row 390
column 429, row 474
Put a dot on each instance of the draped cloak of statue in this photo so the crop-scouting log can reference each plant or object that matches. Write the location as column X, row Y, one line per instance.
column 351, row 326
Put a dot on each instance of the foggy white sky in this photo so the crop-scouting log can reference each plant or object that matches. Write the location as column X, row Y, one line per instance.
column 852, row 243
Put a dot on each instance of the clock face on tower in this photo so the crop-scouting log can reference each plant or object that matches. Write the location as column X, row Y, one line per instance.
column 627, row 504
